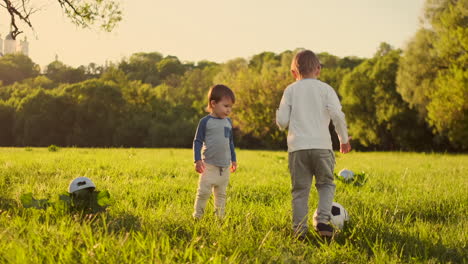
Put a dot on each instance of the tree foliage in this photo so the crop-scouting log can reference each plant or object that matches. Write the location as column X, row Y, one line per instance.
column 43, row 118
column 417, row 72
column 61, row 73
column 83, row 13
column 258, row 86
column 152, row 100
column 16, row 67
column 433, row 72
column 377, row 114
column 6, row 119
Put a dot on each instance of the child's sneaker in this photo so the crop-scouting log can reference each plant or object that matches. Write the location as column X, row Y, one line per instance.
column 300, row 234
column 324, row 230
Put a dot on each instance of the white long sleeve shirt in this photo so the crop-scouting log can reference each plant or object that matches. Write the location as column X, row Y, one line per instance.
column 306, row 108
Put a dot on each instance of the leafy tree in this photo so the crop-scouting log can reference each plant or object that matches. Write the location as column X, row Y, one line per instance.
column 61, row 73
column 195, row 86
column 181, row 98
column 83, row 13
column 357, row 91
column 204, row 63
column 40, row 81
column 15, row 92
column 143, row 66
column 376, row 113
column 156, row 101
column 433, row 72
column 190, row 89
column 418, row 70
column 169, row 66
column 16, row 67
column 286, row 58
column 116, row 75
column 334, row 68
column 448, row 110
column 172, row 125
column 398, row 124
column 136, row 114
column 6, row 119
column 256, row 63
column 258, row 95
column 98, row 112
column 328, row 61
column 43, row 118
column 93, row 70
column 333, row 76
column 349, row 62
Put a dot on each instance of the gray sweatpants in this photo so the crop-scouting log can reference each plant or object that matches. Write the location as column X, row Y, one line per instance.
column 303, row 165
column 214, row 179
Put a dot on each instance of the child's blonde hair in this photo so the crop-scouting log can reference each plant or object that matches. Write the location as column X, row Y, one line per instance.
column 217, row 92
column 304, row 62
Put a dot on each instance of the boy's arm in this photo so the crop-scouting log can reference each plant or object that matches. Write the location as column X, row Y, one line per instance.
column 199, row 138
column 337, row 116
column 233, row 154
column 231, row 143
column 284, row 111
column 232, row 148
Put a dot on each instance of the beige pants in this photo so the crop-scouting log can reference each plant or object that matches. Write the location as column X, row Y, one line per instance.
column 303, row 166
column 214, row 179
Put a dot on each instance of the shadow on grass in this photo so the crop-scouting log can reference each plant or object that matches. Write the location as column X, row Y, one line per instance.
column 7, row 204
column 408, row 247
column 437, row 212
column 314, row 239
column 123, row 222
column 264, row 195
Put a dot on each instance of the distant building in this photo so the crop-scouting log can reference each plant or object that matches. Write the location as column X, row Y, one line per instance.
column 24, row 46
column 10, row 45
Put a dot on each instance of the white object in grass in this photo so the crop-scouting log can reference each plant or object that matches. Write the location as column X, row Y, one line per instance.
column 346, row 174
column 339, row 216
column 80, row 183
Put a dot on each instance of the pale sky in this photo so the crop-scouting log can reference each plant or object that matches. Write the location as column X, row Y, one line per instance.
column 220, row 30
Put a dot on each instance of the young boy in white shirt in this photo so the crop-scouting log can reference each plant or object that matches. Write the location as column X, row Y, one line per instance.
column 306, row 108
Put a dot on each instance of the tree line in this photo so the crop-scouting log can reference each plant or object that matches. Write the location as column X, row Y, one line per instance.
column 413, row 99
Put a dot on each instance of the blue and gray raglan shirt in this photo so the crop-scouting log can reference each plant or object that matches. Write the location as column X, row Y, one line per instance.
column 214, row 138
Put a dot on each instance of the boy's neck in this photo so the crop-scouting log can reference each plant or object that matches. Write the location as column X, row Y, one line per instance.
column 215, row 115
column 311, row 75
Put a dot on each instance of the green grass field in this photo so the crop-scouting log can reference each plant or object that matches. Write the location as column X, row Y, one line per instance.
column 413, row 209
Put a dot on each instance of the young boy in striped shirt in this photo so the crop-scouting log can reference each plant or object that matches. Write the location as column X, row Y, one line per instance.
column 214, row 152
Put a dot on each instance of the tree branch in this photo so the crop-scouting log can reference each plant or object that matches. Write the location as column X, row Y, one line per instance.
column 14, row 13
column 81, row 12
column 64, row 3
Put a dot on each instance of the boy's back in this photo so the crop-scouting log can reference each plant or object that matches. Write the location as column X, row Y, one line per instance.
column 307, row 107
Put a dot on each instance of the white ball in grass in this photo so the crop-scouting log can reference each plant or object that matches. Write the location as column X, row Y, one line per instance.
column 339, row 216
column 347, row 175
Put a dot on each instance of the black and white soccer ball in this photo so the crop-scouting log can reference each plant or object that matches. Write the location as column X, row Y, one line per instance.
column 339, row 215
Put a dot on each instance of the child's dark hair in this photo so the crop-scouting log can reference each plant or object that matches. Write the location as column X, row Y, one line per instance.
column 218, row 92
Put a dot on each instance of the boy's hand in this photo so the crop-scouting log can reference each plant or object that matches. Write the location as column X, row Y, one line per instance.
column 200, row 166
column 345, row 148
column 233, row 166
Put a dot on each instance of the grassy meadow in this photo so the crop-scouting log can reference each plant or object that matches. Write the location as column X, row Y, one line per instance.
column 412, row 209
